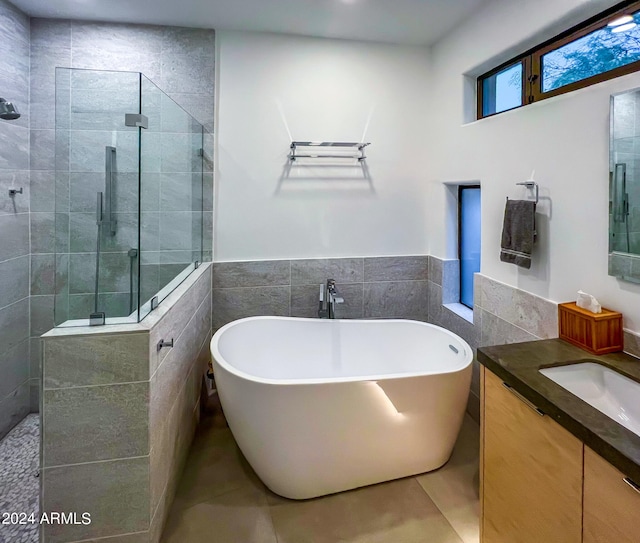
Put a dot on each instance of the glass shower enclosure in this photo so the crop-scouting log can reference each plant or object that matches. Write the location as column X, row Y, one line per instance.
column 128, row 196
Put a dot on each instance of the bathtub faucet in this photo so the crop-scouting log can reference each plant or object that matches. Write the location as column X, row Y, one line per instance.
column 329, row 297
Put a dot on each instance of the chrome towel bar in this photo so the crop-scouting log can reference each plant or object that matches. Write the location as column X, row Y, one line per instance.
column 359, row 146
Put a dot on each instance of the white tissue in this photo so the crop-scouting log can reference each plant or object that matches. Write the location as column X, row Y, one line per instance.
column 588, row 302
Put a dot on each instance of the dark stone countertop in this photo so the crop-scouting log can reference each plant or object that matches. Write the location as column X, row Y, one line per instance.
column 517, row 364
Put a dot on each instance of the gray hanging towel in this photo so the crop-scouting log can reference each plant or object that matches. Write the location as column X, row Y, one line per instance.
column 518, row 232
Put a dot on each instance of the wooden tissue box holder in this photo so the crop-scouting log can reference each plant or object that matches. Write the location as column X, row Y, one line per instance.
column 598, row 333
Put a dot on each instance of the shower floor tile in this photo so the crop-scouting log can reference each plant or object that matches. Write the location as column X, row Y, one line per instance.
column 19, row 484
column 220, row 496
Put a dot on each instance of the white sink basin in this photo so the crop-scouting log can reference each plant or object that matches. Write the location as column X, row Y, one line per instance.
column 609, row 392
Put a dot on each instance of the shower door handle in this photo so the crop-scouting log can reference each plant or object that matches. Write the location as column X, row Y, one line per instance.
column 110, row 155
column 99, row 209
column 619, row 196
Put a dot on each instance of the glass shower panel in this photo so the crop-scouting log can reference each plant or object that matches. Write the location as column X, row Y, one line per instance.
column 129, row 199
column 97, row 195
column 623, row 172
column 171, row 195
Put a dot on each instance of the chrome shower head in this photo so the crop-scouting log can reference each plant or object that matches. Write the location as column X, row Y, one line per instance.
column 8, row 111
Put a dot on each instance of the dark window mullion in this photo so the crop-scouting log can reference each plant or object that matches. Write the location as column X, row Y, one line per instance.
column 526, row 80
column 479, row 98
column 535, row 89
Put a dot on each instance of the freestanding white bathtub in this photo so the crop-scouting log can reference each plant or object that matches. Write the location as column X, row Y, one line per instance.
column 318, row 406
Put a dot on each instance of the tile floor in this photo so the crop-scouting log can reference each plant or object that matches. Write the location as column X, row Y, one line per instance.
column 19, row 484
column 221, row 499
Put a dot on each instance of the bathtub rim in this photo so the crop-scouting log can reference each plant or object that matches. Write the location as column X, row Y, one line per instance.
column 221, row 361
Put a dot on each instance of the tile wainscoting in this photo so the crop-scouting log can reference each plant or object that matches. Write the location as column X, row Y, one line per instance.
column 419, row 287
column 89, row 436
column 119, row 415
column 385, row 287
column 410, row 287
column 501, row 314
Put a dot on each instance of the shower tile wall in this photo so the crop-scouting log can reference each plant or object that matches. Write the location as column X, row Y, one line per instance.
column 384, row 287
column 178, row 60
column 14, row 220
column 123, row 422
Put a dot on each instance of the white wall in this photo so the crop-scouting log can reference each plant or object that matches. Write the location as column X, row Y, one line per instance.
column 274, row 88
column 565, row 139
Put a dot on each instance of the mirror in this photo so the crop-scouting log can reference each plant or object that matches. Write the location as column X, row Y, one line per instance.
column 624, row 186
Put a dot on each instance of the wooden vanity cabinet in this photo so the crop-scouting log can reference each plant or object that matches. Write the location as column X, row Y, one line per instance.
column 531, row 472
column 611, row 506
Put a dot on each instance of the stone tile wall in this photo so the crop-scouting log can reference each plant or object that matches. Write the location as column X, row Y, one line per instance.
column 631, row 343
column 181, row 62
column 384, row 287
column 501, row 314
column 414, row 287
column 175, row 385
column 118, row 417
column 14, row 220
column 95, row 428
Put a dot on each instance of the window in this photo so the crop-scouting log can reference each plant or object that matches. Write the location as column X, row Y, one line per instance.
column 503, row 90
column 601, row 48
column 468, row 239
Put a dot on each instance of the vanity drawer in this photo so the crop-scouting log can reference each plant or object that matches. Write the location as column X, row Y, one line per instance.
column 611, row 505
column 531, row 472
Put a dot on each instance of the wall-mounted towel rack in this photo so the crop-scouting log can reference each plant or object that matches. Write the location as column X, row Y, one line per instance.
column 359, row 146
column 530, row 185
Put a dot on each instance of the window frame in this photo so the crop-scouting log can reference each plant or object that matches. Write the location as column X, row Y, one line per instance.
column 480, row 85
column 532, row 61
column 461, row 188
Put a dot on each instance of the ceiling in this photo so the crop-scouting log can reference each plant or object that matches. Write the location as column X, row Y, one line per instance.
column 418, row 22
